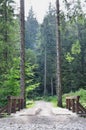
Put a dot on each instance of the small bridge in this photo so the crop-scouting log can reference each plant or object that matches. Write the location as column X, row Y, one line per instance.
column 17, row 103
column 72, row 103
column 14, row 104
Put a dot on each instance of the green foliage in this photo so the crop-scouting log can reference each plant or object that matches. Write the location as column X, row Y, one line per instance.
column 31, row 30
column 48, row 47
column 80, row 93
column 30, row 56
column 29, row 103
column 73, row 55
column 69, row 58
column 32, row 82
column 76, row 48
column 32, row 87
column 53, row 99
column 9, row 45
column 11, row 82
column 73, row 48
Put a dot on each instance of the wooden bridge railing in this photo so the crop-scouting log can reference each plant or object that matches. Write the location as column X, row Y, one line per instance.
column 72, row 103
column 14, row 104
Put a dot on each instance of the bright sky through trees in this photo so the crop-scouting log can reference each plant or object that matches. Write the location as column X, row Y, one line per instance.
column 40, row 7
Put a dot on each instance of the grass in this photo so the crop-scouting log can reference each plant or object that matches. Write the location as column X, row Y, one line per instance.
column 29, row 103
column 81, row 93
column 53, row 99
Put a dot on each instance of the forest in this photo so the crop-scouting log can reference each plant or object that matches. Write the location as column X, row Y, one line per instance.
column 41, row 50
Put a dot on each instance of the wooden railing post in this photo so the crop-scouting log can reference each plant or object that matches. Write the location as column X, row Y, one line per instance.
column 77, row 104
column 66, row 103
column 22, row 103
column 73, row 105
column 9, row 109
column 70, row 104
column 14, row 105
column 19, row 104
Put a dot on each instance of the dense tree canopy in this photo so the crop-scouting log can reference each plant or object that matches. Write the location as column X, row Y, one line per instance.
column 40, row 50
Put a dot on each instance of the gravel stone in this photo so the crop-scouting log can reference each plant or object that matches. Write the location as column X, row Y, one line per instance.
column 45, row 117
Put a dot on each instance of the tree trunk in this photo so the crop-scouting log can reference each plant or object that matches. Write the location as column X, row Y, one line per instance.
column 5, row 53
column 22, row 51
column 45, row 89
column 51, row 86
column 58, row 47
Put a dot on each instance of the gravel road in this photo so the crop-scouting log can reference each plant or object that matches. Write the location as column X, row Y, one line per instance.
column 43, row 116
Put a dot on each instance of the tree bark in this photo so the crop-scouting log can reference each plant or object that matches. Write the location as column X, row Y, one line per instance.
column 58, row 47
column 45, row 89
column 22, row 51
column 52, row 86
column 5, row 53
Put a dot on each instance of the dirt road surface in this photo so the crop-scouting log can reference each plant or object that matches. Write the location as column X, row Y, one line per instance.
column 43, row 116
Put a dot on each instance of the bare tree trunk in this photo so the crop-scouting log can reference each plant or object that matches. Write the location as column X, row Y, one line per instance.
column 45, row 89
column 5, row 53
column 51, row 86
column 58, row 47
column 22, row 50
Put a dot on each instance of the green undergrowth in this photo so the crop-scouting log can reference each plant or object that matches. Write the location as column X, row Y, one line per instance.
column 53, row 99
column 81, row 93
column 29, row 103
